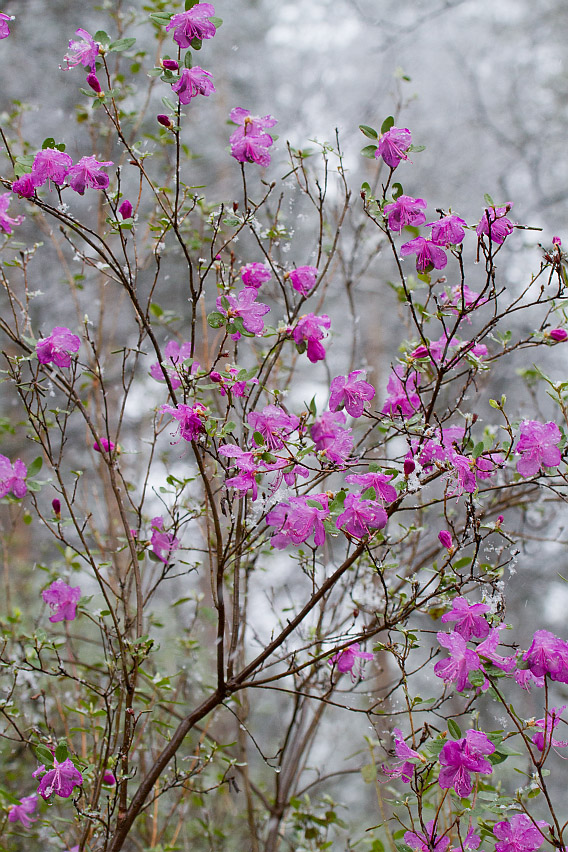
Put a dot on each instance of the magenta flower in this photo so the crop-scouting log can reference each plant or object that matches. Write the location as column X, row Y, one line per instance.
column 50, row 164
column 255, row 275
column 82, row 52
column 495, row 224
column 61, row 780
column 63, row 600
column 192, row 82
column 192, row 24
column 246, row 307
column 58, row 347
column 448, row 231
column 107, row 446
column 248, row 467
column 405, row 211
column 190, row 419
column 346, row 659
column 13, row 477
column 163, row 544
column 174, row 356
column 23, row 812
column 461, row 299
column 274, row 425
column 462, row 757
column 402, row 399
column 87, row 173
column 297, row 519
column 250, row 142
column 428, row 255
column 350, row 393
column 303, row 279
column 125, row 209
column 487, row 650
column 538, row 447
column 250, row 125
column 331, row 438
column 519, row 834
column 405, row 769
column 310, row 329
column 546, row 727
column 426, row 843
column 459, row 664
column 7, row 223
column 379, row 481
column 445, row 539
column 4, row 28
column 462, row 474
column 559, row 335
column 229, row 380
column 360, row 516
column 469, row 617
column 393, row 145
column 24, row 186
column 548, row 655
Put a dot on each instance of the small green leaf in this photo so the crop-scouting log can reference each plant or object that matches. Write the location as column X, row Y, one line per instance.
column 35, row 466
column 102, row 37
column 369, row 773
column 454, row 729
column 369, row 151
column 369, row 132
column 187, row 59
column 387, row 124
column 61, row 753
column 48, row 143
column 217, row 22
column 397, row 190
column 122, row 44
column 161, row 17
column 189, row 4
column 488, row 200
column 44, row 755
column 478, row 450
column 216, row 319
column 258, row 439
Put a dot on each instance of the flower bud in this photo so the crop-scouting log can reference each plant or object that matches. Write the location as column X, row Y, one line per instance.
column 170, row 64
column 445, row 539
column 109, row 778
column 108, row 446
column 164, row 120
column 215, row 376
column 409, row 467
column 420, row 352
column 125, row 209
column 556, row 241
column 558, row 334
column 56, row 505
column 93, row 82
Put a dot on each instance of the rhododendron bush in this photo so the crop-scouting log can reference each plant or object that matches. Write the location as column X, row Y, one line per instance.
column 253, row 581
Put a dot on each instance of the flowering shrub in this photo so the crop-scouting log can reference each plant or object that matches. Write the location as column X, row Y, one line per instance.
column 270, row 543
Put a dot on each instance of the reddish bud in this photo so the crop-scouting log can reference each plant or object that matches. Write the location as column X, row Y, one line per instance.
column 215, row 376
column 107, row 446
column 409, row 467
column 420, row 352
column 125, row 209
column 56, row 505
column 93, row 82
column 556, row 241
column 558, row 334
column 445, row 539
column 170, row 64
column 109, row 778
column 164, row 120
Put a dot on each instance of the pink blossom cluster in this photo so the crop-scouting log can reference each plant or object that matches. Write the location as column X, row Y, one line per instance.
column 51, row 165
column 250, row 141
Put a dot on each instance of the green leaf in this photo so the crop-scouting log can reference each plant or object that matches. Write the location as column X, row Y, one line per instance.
column 216, row 319
column 102, row 37
column 258, row 439
column 196, row 43
column 454, row 729
column 61, row 753
column 189, row 4
column 387, row 124
column 369, row 132
column 217, row 22
column 397, row 190
column 369, row 151
column 187, row 59
column 44, row 755
column 161, row 17
column 478, row 450
column 416, row 149
column 48, row 143
column 488, row 200
column 122, row 44
column 35, row 466
column 369, row 773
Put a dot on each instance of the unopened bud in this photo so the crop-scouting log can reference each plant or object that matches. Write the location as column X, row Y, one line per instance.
column 170, row 64
column 125, row 209
column 420, row 352
column 556, row 241
column 445, row 539
column 409, row 467
column 558, row 334
column 164, row 120
column 109, row 778
column 93, row 82
column 215, row 376
column 56, row 505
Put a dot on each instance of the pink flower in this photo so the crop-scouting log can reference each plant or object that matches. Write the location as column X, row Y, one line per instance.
column 379, row 481
column 495, row 224
column 428, row 255
column 24, row 186
column 459, row 664
column 4, row 28
column 346, row 659
column 407, row 755
column 448, row 231
column 250, row 142
column 405, row 211
column 331, row 438
column 107, row 446
column 274, row 424
column 402, row 399
column 58, row 347
column 87, row 173
column 460, row 299
column 7, row 223
column 163, row 544
column 309, row 329
column 192, row 24
column 393, row 145
column 246, row 307
column 519, row 834
column 125, row 209
column 250, row 125
column 350, row 393
column 426, row 842
column 248, row 467
column 83, row 52
column 193, row 81
column 255, row 274
column 61, row 780
column 558, row 334
column 469, row 617
column 538, row 447
column 360, row 516
column 174, row 356
column 303, row 279
column 50, row 164
column 63, row 600
column 13, row 477
column 190, row 419
column 548, row 655
column 461, row 757
column 22, row 812
column 487, row 650
column 445, row 539
column 546, row 727
column 297, row 519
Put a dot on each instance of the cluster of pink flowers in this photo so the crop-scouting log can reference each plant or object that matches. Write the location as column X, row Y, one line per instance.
column 58, row 347
column 538, row 447
column 164, row 544
column 13, row 477
column 460, row 758
column 308, row 333
column 8, row 223
column 55, row 166
column 174, row 356
column 250, row 141
column 190, row 419
column 245, row 306
column 63, row 600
